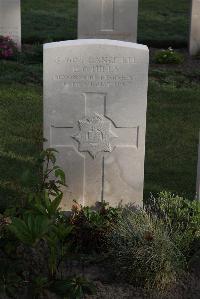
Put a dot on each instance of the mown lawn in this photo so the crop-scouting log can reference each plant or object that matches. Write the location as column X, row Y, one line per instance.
column 161, row 23
column 164, row 23
column 172, row 132
column 173, row 100
column 48, row 20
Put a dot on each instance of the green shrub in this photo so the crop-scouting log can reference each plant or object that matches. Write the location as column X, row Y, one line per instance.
column 30, row 229
column 77, row 287
column 142, row 253
column 168, row 56
column 91, row 226
column 180, row 216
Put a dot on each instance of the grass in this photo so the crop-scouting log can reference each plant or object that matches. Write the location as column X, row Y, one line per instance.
column 20, row 141
column 161, row 23
column 164, row 23
column 172, row 134
column 49, row 20
column 173, row 101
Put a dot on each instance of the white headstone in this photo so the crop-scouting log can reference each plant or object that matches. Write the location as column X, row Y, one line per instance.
column 10, row 20
column 195, row 28
column 198, row 173
column 111, row 19
column 95, row 99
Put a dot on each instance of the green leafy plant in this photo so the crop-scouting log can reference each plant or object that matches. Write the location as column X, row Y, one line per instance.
column 30, row 229
column 75, row 287
column 41, row 233
column 52, row 176
column 168, row 56
column 38, row 287
column 44, row 205
column 59, row 244
column 44, row 197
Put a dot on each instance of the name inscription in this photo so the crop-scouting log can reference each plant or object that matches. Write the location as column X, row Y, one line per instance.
column 105, row 71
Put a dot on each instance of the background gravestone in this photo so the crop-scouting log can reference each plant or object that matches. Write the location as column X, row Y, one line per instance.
column 10, row 20
column 109, row 19
column 195, row 28
column 198, row 173
column 95, row 98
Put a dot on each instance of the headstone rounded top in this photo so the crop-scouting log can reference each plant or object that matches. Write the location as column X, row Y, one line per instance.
column 104, row 42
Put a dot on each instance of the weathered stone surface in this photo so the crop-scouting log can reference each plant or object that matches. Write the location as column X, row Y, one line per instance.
column 10, row 20
column 198, row 173
column 95, row 98
column 194, row 46
column 111, row 19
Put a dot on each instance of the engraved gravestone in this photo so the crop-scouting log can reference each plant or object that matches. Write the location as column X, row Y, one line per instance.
column 10, row 20
column 194, row 46
column 95, row 98
column 111, row 19
column 198, row 173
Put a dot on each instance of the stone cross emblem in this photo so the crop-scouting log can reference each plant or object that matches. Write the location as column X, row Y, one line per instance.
column 95, row 132
column 94, row 135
